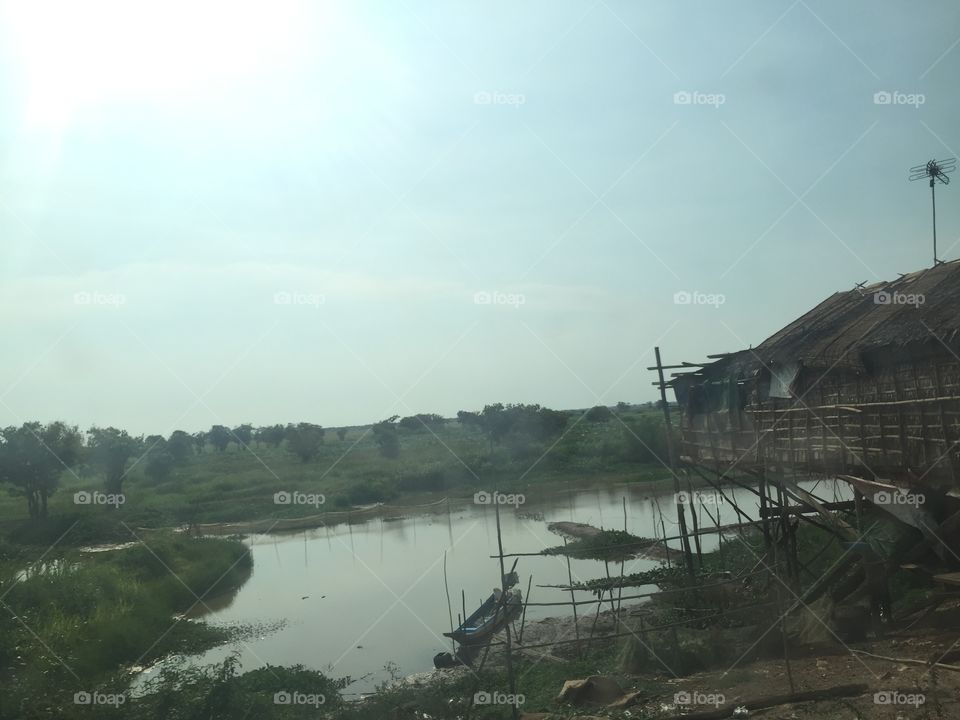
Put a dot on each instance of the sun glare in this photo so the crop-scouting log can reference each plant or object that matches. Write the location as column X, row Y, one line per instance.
column 77, row 54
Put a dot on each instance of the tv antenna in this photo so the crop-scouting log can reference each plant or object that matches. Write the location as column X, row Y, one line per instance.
column 935, row 170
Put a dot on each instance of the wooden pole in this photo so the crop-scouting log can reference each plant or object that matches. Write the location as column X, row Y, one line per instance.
column 503, row 588
column 446, row 587
column 668, row 429
column 596, row 617
column 606, row 565
column 623, row 563
column 663, row 529
column 783, row 622
column 696, row 523
column 573, row 601
column 526, row 601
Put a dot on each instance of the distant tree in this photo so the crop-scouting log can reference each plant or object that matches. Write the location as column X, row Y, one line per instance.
column 272, row 435
column 160, row 462
column 152, row 440
column 219, row 436
column 200, row 441
column 305, row 439
column 623, row 407
column 598, row 414
column 32, row 458
column 496, row 422
column 110, row 449
column 386, row 437
column 342, row 433
column 552, row 422
column 180, row 445
column 422, row 421
column 518, row 421
column 467, row 418
column 243, row 433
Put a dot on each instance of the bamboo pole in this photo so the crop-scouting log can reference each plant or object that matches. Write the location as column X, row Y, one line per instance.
column 623, row 563
column 573, row 602
column 668, row 429
column 526, row 601
column 446, row 587
column 510, row 677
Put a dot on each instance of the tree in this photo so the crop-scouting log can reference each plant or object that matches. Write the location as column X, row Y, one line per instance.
column 243, row 433
column 496, row 422
column 305, row 440
column 552, row 422
column 622, row 406
column 422, row 421
column 598, row 414
column 219, row 436
column 386, row 438
column 160, row 462
column 200, row 441
column 519, row 421
column 272, row 435
column 342, row 433
column 467, row 418
column 180, row 445
column 32, row 458
column 109, row 451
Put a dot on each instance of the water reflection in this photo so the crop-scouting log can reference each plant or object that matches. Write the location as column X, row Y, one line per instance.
column 357, row 596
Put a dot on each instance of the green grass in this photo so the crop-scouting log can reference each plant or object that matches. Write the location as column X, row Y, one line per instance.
column 75, row 621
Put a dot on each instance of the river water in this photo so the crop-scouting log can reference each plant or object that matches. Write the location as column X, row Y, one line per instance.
column 354, row 599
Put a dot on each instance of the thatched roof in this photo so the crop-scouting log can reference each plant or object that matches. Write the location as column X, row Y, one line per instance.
column 920, row 307
column 923, row 308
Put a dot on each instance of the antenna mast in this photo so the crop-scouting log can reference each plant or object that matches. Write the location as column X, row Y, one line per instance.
column 935, row 170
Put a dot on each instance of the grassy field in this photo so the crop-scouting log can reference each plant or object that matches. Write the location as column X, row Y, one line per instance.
column 72, row 622
column 451, row 460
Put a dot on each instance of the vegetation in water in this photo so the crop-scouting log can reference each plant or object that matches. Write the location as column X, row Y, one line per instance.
column 604, row 545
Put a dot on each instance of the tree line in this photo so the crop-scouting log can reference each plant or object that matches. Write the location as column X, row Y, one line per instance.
column 33, row 456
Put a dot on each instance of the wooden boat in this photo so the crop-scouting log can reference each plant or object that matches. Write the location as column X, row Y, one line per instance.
column 490, row 618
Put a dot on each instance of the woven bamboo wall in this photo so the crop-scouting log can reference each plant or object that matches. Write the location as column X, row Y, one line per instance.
column 898, row 420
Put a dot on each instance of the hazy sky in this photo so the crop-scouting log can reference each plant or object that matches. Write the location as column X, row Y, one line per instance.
column 221, row 212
